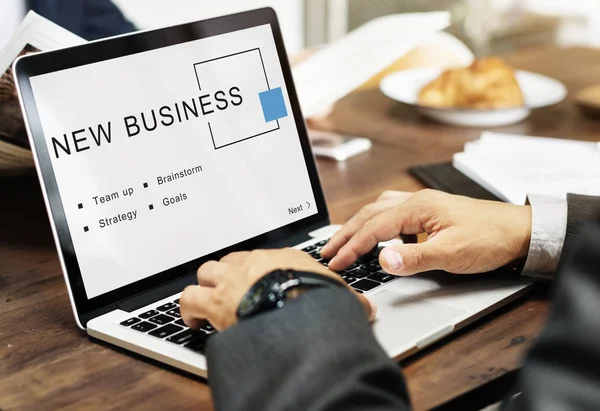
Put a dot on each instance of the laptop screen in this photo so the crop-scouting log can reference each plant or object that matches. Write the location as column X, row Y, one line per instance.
column 163, row 156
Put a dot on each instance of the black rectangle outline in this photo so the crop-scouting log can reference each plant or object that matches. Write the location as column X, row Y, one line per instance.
column 268, row 87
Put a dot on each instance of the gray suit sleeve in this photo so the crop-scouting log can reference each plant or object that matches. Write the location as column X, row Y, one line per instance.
column 562, row 370
column 582, row 210
column 317, row 353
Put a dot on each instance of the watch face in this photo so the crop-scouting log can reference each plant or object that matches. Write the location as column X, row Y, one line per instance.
column 253, row 298
column 265, row 294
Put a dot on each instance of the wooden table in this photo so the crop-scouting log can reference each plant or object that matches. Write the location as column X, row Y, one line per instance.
column 47, row 363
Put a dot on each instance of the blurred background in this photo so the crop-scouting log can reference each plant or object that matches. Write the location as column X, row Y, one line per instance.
column 486, row 26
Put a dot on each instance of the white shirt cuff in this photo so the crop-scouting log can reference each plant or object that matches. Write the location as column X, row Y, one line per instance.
column 548, row 231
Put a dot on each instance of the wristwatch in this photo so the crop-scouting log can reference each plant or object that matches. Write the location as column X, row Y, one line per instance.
column 271, row 291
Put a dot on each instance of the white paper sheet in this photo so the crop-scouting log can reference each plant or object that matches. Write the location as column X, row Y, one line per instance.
column 512, row 166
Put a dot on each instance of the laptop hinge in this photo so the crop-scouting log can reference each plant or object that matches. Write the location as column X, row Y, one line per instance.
column 156, row 294
column 297, row 238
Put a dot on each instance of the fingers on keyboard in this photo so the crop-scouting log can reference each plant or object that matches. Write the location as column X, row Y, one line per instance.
column 165, row 322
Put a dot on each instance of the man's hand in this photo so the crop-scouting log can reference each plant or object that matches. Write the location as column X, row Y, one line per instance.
column 223, row 284
column 464, row 235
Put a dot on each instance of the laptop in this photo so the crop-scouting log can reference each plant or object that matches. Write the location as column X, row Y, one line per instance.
column 160, row 150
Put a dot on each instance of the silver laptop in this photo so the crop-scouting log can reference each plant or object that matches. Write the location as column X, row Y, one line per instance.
column 160, row 150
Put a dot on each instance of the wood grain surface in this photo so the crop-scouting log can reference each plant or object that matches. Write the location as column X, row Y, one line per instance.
column 47, row 363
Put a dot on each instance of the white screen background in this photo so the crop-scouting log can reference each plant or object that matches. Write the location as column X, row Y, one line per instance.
column 244, row 190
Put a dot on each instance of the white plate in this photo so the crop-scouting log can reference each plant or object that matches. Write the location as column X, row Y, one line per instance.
column 538, row 91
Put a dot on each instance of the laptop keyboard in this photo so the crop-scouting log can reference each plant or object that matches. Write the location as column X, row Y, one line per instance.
column 164, row 321
column 364, row 275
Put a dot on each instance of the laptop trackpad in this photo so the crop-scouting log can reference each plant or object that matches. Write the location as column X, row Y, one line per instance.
column 404, row 321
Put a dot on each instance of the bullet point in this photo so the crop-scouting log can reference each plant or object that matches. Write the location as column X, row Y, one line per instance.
column 151, row 207
column 145, row 185
column 86, row 229
column 80, row 206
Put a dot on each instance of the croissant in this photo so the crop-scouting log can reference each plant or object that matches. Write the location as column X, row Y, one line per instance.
column 487, row 83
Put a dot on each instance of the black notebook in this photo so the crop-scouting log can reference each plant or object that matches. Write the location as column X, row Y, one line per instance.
column 444, row 177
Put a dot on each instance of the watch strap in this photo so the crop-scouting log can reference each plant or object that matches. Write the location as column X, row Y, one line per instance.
column 314, row 280
column 278, row 284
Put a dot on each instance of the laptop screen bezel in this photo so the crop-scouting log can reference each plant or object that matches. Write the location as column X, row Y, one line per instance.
column 94, row 52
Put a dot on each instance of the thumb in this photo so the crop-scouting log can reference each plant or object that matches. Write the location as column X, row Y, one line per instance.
column 368, row 305
column 409, row 259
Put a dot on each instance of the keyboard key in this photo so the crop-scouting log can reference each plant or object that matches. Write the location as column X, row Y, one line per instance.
column 186, row 336
column 148, row 314
column 358, row 273
column 373, row 269
column 174, row 313
column 207, row 326
column 144, row 326
column 364, row 285
column 348, row 280
column 180, row 322
column 176, row 301
column 166, row 307
column 161, row 319
column 321, row 243
column 381, row 277
column 373, row 264
column 365, row 259
column 315, row 254
column 131, row 321
column 309, row 249
column 353, row 267
column 199, row 344
column 165, row 331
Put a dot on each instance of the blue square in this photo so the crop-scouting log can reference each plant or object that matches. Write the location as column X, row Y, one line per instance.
column 273, row 104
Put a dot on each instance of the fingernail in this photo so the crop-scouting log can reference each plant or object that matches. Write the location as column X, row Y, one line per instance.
column 393, row 258
column 373, row 310
column 332, row 261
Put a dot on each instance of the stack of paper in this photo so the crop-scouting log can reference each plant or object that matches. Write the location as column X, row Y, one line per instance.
column 512, row 166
